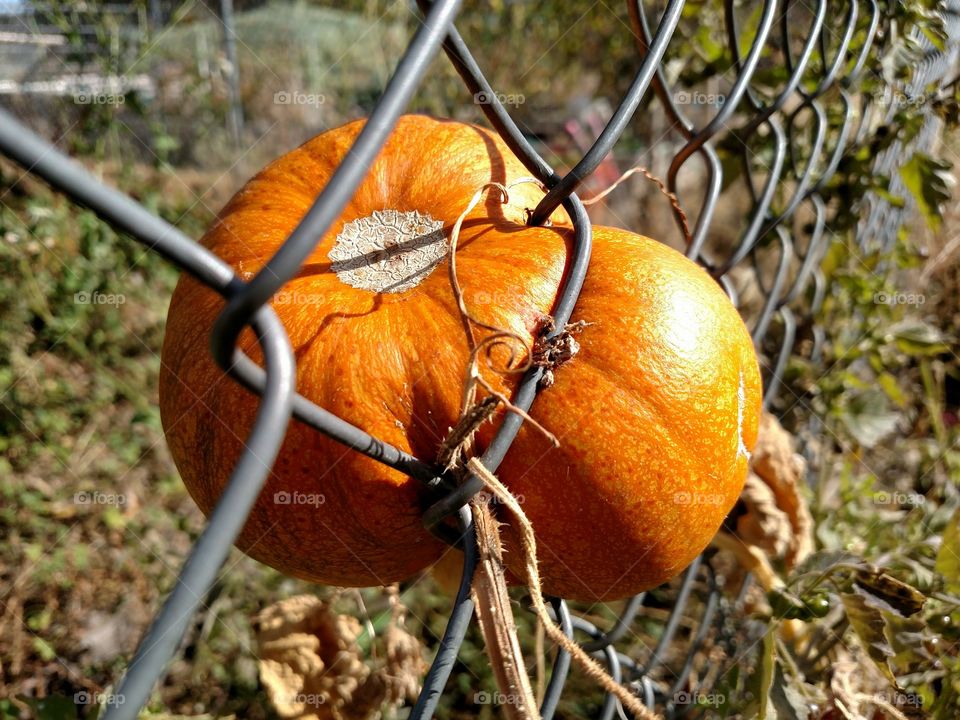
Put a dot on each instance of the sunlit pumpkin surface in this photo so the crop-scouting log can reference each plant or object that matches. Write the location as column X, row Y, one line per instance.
column 655, row 415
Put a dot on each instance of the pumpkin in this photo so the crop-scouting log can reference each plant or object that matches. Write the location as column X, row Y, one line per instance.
column 655, row 415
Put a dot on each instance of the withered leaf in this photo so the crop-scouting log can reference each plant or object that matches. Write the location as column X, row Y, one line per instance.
column 899, row 596
column 868, row 623
column 313, row 668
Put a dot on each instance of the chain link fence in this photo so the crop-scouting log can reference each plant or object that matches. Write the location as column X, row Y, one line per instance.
column 794, row 101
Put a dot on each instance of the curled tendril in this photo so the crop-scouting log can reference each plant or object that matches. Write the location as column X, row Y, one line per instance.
column 520, row 360
column 521, row 350
column 674, row 201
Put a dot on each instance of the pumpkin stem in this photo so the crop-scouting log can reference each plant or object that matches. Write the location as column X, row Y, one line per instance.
column 460, row 437
column 552, row 351
column 590, row 666
column 389, row 251
column 489, row 589
column 495, row 615
column 498, row 336
column 489, row 585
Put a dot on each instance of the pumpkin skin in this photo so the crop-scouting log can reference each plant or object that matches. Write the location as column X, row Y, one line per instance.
column 655, row 415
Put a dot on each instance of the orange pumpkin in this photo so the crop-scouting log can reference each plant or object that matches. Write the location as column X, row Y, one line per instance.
column 655, row 415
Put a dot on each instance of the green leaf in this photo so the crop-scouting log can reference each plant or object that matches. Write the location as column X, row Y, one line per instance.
column 8, row 711
column 891, row 387
column 788, row 702
column 948, row 557
column 921, row 176
column 868, row 417
column 915, row 337
column 936, row 35
column 114, row 518
column 709, row 48
column 44, row 649
column 895, row 200
column 748, row 30
column 55, row 707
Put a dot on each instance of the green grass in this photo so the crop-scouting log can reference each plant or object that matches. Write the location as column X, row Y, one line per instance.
column 95, row 519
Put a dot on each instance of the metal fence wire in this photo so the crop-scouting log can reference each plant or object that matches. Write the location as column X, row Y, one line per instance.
column 792, row 286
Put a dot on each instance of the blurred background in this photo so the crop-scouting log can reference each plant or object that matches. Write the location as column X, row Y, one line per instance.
column 178, row 103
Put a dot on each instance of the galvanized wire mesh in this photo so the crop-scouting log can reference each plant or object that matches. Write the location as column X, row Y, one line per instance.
column 881, row 222
column 824, row 50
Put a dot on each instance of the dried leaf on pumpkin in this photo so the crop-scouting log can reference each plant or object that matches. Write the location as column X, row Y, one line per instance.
column 782, row 470
column 772, row 520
